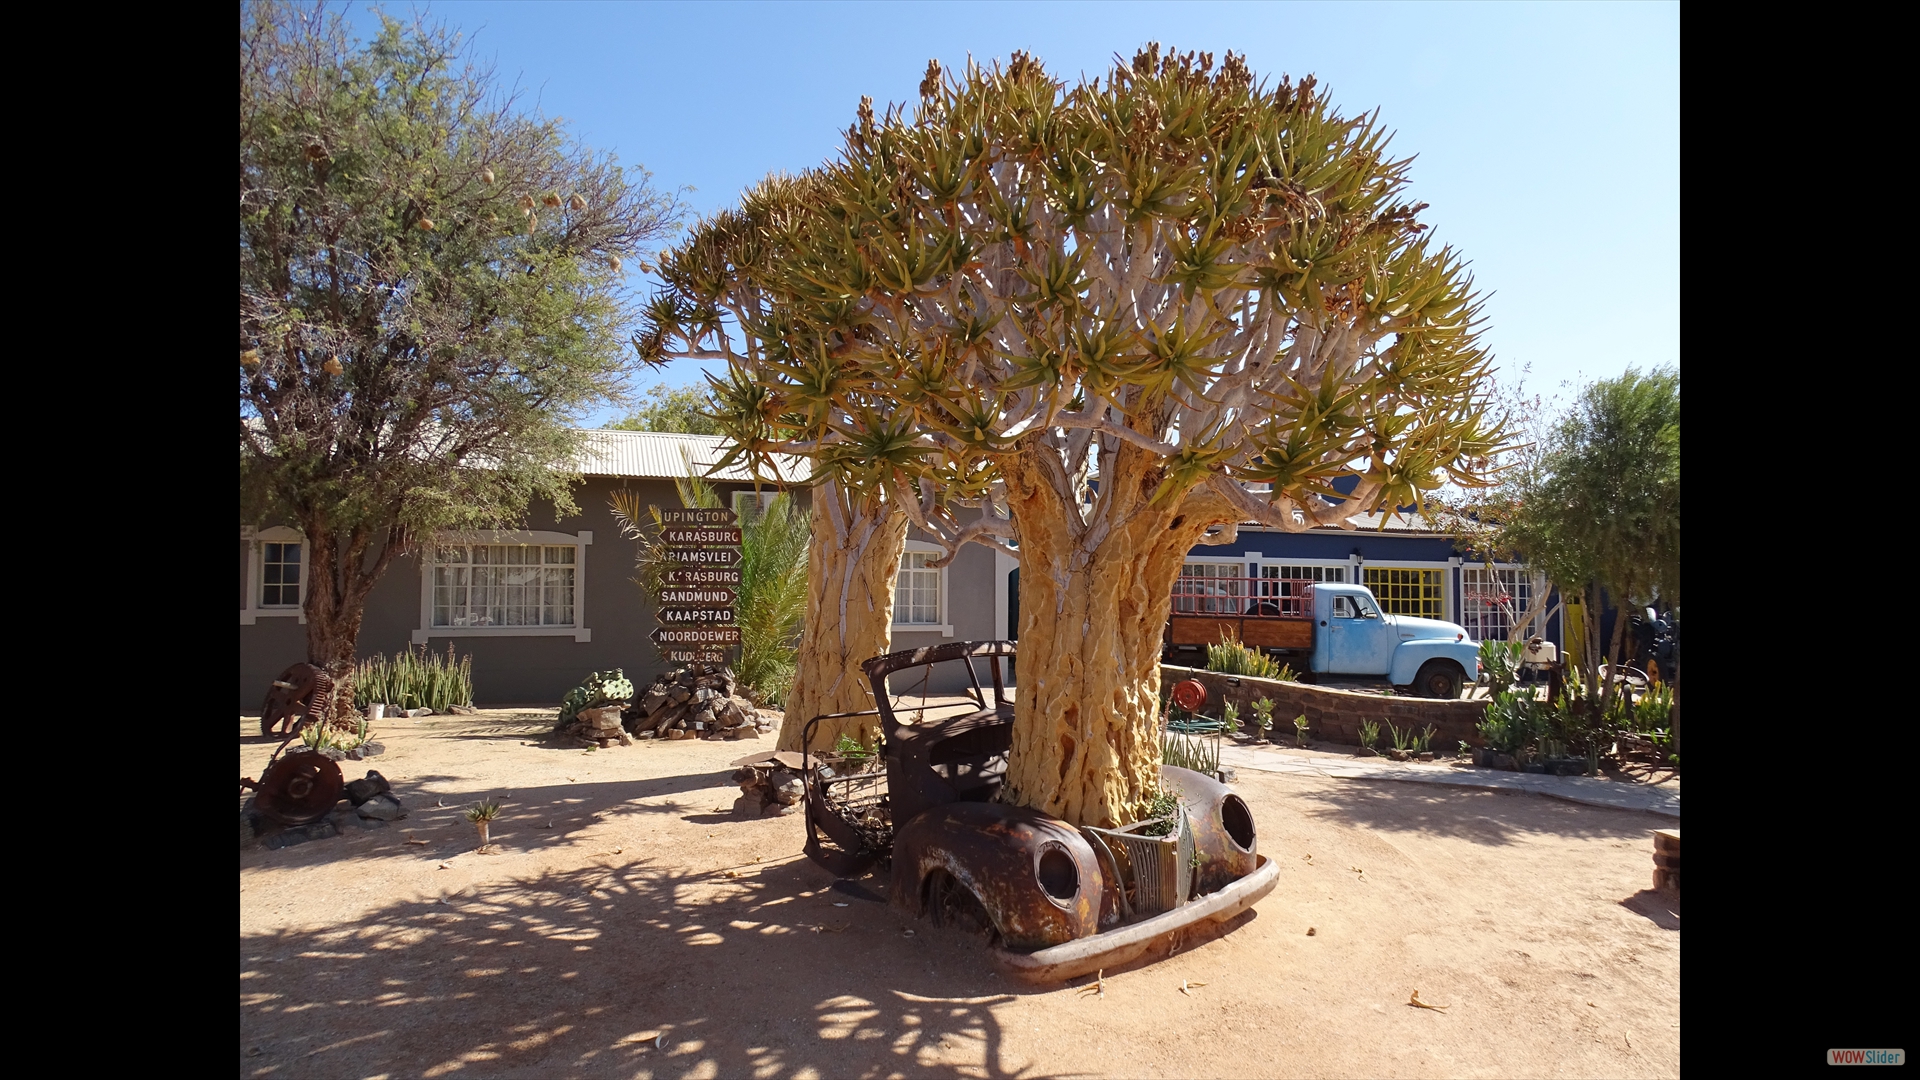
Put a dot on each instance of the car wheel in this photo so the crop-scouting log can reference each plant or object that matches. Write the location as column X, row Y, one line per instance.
column 1440, row 679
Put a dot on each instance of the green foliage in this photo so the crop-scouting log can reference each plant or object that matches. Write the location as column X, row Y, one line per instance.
column 1230, row 715
column 1401, row 740
column 1233, row 658
column 1300, row 729
column 321, row 735
column 412, row 345
column 1423, row 740
column 1369, row 733
column 772, row 595
column 1500, row 664
column 596, row 691
column 414, row 680
column 1262, row 715
column 1161, row 811
column 851, row 749
column 928, row 304
column 685, row 409
column 1654, row 710
column 483, row 812
column 1197, row 752
column 1602, row 508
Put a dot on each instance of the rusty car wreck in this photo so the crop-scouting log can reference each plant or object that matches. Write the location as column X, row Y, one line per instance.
column 1062, row 900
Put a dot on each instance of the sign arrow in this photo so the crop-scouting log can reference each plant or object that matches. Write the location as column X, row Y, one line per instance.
column 693, row 516
column 695, row 535
column 674, row 616
column 693, row 577
column 698, row 597
column 703, row 557
column 696, row 635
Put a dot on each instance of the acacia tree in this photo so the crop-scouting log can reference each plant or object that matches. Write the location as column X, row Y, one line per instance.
column 430, row 287
column 1481, row 520
column 1149, row 307
column 1605, row 513
column 684, row 409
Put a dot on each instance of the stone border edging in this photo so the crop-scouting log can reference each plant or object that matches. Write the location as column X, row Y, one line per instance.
column 1574, row 789
column 1334, row 714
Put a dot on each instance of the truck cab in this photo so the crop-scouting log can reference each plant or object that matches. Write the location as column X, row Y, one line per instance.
column 1353, row 637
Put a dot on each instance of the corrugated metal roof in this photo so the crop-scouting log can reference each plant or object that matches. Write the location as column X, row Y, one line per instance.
column 664, row 455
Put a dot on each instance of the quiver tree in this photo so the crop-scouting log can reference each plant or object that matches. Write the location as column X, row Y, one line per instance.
column 430, row 287
column 780, row 397
column 1150, row 307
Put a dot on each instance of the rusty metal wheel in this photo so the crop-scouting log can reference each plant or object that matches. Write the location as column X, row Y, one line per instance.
column 1190, row 694
column 300, row 789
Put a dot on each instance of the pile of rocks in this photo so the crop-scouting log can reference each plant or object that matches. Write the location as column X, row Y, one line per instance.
column 602, row 727
column 770, row 785
column 695, row 702
column 1666, row 860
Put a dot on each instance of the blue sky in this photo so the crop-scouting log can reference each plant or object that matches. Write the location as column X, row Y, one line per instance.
column 1546, row 137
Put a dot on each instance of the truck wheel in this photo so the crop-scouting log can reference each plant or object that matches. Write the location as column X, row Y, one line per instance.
column 1440, row 679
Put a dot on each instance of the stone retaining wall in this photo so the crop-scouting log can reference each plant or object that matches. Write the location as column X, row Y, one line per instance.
column 1335, row 715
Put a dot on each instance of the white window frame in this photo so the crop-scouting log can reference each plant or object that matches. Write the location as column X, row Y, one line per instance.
column 1239, row 576
column 579, row 631
column 944, row 629
column 255, row 569
column 740, row 499
column 1535, row 580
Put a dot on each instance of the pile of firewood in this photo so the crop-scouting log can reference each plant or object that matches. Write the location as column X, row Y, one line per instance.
column 695, row 702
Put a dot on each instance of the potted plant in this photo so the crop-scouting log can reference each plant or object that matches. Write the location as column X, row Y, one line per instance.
column 482, row 816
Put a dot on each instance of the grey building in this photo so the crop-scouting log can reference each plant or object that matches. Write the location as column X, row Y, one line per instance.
column 563, row 602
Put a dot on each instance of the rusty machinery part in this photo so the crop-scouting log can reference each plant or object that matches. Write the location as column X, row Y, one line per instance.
column 301, row 693
column 299, row 789
column 1224, row 838
column 1036, row 877
column 1190, row 694
column 960, row 758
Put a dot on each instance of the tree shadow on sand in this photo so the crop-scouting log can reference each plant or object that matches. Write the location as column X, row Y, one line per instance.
column 624, row 968
column 1484, row 817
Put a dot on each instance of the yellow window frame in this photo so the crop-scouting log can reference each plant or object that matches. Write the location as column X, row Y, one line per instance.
column 1406, row 590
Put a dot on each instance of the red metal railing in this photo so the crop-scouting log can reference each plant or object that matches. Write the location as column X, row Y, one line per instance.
column 1249, row 597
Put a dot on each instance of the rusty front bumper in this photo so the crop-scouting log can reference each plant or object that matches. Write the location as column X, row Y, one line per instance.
column 1113, row 948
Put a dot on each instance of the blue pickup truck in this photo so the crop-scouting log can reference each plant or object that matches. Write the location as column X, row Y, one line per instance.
column 1327, row 631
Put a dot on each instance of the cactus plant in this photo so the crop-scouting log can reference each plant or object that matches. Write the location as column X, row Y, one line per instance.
column 600, row 689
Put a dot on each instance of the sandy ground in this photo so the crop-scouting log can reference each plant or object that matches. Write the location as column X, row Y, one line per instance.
column 629, row 926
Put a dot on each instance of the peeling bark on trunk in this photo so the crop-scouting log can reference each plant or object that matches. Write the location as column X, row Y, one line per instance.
column 1094, row 600
column 853, row 560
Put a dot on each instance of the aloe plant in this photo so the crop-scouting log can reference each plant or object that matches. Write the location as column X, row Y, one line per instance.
column 482, row 815
column 1369, row 733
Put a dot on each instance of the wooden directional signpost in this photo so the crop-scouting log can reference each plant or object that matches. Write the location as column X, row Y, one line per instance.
column 696, row 606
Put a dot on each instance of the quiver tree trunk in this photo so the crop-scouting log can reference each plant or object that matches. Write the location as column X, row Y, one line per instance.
column 853, row 559
column 1094, row 600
